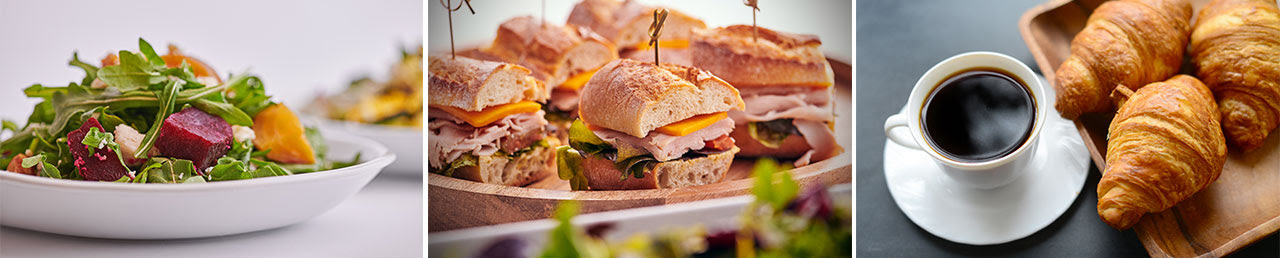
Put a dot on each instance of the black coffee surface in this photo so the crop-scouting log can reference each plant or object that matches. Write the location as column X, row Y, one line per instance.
column 978, row 115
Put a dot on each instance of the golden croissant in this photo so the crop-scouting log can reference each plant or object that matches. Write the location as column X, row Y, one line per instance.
column 1164, row 145
column 1236, row 46
column 1127, row 42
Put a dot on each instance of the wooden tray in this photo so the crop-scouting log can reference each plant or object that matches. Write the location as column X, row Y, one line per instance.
column 456, row 203
column 1238, row 209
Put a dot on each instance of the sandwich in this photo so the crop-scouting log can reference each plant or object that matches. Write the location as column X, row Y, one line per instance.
column 786, row 84
column 646, row 126
column 563, row 57
column 485, row 122
column 626, row 24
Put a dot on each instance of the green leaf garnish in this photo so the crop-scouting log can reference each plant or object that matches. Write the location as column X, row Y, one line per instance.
column 772, row 133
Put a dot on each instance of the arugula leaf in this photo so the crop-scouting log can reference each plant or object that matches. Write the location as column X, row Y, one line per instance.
column 149, row 53
column 317, row 142
column 170, row 170
column 231, row 114
column 90, row 71
column 167, row 97
column 228, row 168
column 9, row 125
column 97, row 139
column 32, row 161
column 193, row 180
column 133, row 73
column 772, row 133
column 247, row 93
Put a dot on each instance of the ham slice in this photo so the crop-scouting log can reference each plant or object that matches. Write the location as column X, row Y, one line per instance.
column 770, row 103
column 820, row 137
column 666, row 147
column 809, row 107
column 565, row 100
column 450, row 137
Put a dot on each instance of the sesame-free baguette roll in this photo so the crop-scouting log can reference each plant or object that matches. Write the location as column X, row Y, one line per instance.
column 473, row 85
column 635, row 97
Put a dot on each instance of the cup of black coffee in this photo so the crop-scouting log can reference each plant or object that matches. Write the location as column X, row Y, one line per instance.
column 978, row 115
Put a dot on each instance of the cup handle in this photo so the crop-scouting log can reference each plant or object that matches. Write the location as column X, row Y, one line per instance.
column 895, row 121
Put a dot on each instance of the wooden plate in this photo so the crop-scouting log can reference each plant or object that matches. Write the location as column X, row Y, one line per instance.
column 456, row 203
column 1238, row 209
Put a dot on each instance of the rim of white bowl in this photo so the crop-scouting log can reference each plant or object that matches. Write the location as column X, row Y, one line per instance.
column 364, row 145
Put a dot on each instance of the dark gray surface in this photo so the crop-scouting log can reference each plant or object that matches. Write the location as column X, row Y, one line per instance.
column 897, row 42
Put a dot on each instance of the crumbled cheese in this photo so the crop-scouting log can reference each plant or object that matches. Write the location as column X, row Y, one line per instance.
column 98, row 84
column 208, row 80
column 242, row 133
column 128, row 139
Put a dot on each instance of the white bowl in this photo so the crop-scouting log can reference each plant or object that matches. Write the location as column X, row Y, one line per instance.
column 405, row 142
column 714, row 214
column 168, row 211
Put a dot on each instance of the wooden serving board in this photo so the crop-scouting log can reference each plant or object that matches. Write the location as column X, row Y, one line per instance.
column 455, row 203
column 1233, row 212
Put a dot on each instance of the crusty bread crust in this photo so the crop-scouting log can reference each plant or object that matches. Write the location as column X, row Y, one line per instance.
column 792, row 147
column 634, row 97
column 473, row 85
column 626, row 24
column 602, row 175
column 775, row 59
column 553, row 52
column 528, row 168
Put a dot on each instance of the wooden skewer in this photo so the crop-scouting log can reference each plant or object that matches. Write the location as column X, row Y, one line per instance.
column 449, row 11
column 655, row 31
column 755, row 7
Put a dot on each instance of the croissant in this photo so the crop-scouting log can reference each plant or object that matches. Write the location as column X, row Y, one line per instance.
column 1236, row 46
column 1127, row 42
column 1164, row 145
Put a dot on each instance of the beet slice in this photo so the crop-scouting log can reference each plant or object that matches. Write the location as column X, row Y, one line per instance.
column 103, row 164
column 194, row 135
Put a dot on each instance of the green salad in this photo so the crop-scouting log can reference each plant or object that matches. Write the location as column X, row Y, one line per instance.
column 783, row 221
column 141, row 117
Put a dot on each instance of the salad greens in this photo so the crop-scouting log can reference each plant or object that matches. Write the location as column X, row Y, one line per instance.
column 772, row 133
column 141, row 91
column 583, row 143
column 782, row 222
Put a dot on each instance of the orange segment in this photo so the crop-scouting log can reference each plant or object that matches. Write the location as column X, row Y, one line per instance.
column 198, row 68
column 276, row 128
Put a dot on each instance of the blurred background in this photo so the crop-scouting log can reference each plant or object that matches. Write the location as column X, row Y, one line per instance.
column 297, row 47
column 829, row 19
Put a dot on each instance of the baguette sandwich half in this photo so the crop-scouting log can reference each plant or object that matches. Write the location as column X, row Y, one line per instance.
column 486, row 123
column 786, row 84
column 563, row 57
column 626, row 24
column 643, row 126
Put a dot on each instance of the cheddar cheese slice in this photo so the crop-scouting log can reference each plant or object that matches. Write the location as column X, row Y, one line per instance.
column 491, row 114
column 577, row 81
column 668, row 44
column 689, row 125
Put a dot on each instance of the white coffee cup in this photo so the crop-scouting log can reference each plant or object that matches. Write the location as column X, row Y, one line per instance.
column 986, row 174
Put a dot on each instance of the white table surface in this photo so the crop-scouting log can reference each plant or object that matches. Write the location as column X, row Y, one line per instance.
column 382, row 220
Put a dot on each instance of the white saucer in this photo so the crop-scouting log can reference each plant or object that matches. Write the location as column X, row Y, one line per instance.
column 966, row 215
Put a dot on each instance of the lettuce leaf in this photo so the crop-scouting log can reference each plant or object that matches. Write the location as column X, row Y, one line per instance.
column 772, row 133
